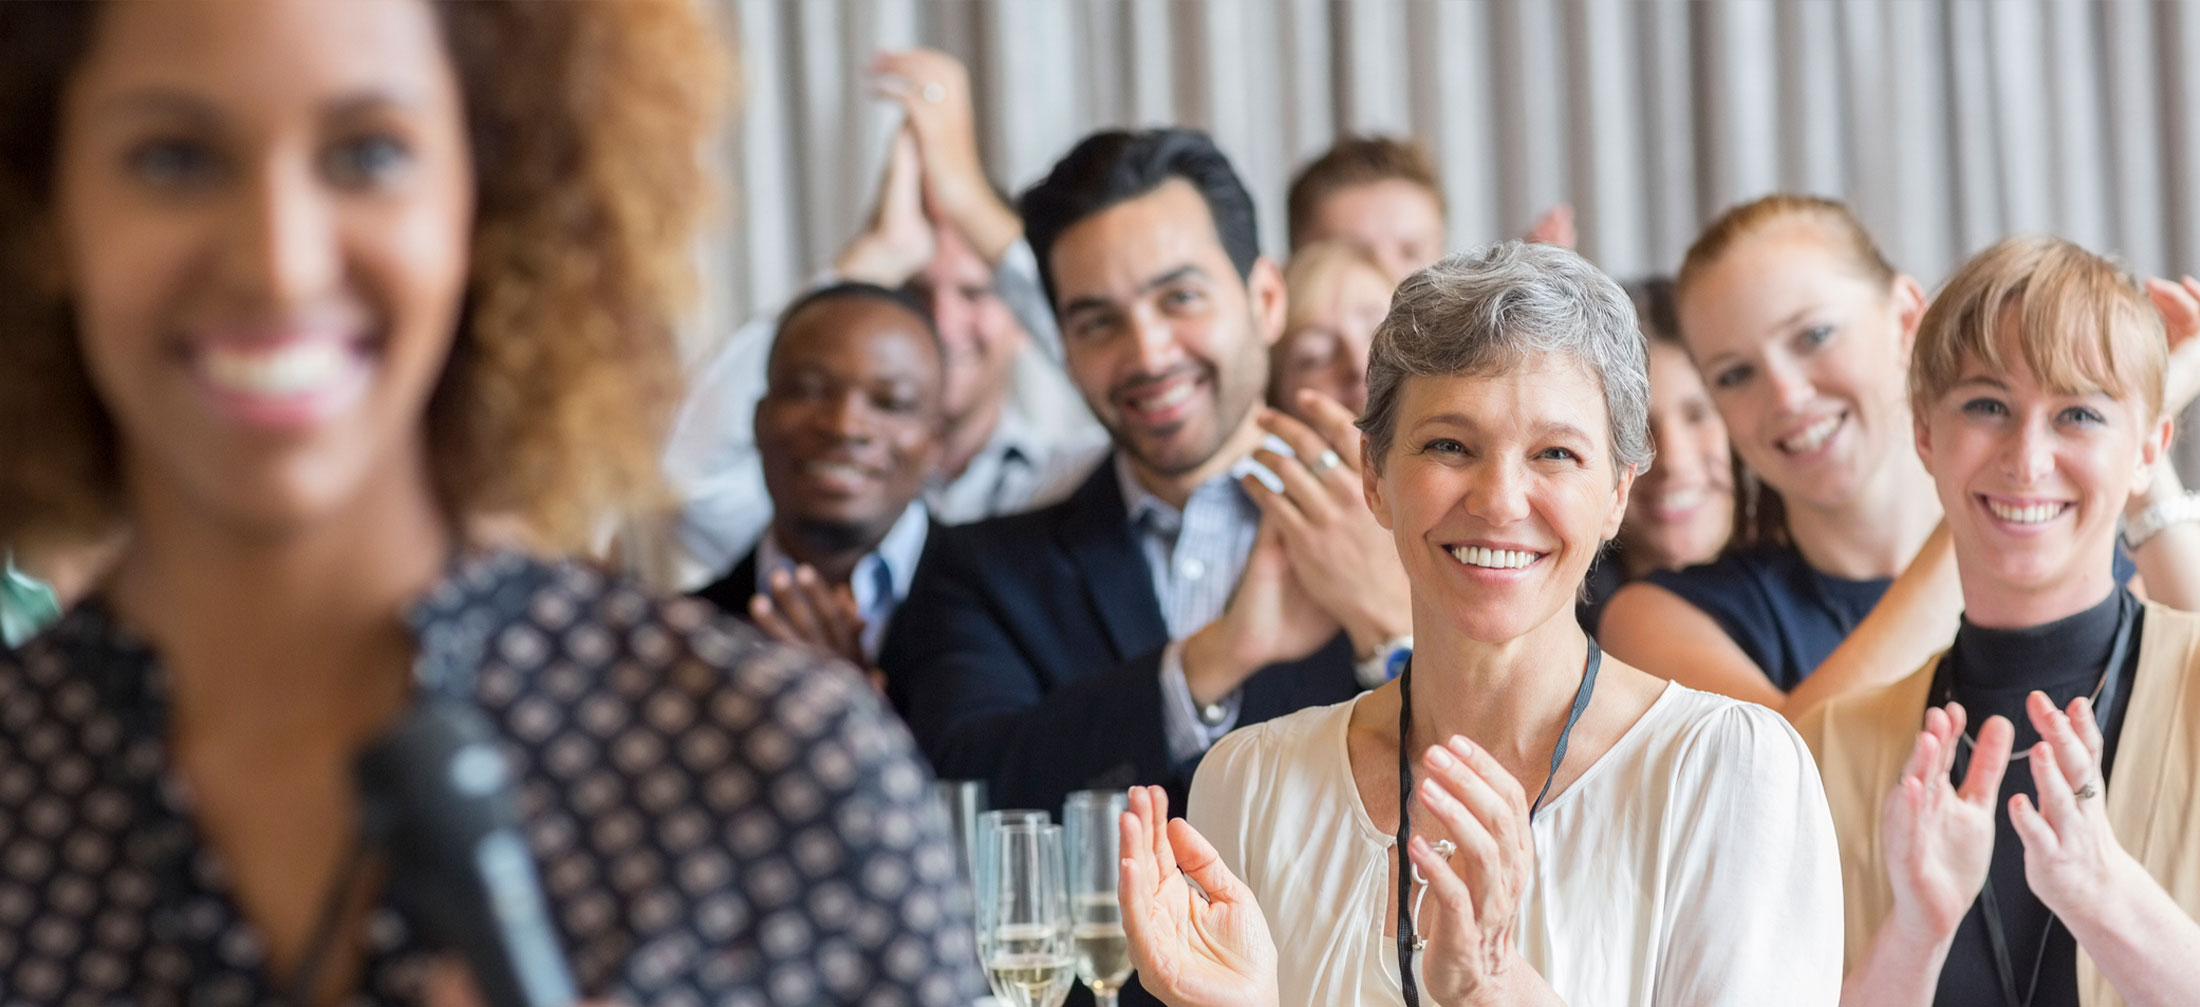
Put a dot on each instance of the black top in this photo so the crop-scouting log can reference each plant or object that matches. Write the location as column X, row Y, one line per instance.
column 1607, row 574
column 1991, row 671
column 1785, row 615
column 716, row 819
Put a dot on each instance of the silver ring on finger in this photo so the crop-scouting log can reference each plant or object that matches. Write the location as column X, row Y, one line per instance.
column 933, row 93
column 1443, row 849
column 2089, row 790
column 1329, row 460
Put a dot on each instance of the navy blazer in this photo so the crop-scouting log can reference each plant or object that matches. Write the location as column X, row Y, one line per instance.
column 1028, row 655
column 731, row 593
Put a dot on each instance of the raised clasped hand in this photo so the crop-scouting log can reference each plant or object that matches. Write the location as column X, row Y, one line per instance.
column 933, row 90
column 1189, row 951
column 899, row 241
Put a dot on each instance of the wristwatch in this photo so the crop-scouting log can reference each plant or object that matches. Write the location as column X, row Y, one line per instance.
column 1384, row 664
column 2159, row 515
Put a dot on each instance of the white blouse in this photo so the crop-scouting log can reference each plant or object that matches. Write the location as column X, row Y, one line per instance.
column 1693, row 864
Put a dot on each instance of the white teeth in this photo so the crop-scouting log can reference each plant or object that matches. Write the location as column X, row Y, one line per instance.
column 1812, row 437
column 1494, row 559
column 291, row 370
column 1679, row 500
column 2027, row 514
column 835, row 469
column 1170, row 399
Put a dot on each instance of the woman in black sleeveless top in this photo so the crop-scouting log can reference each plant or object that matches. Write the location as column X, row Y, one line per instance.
column 1681, row 511
column 302, row 296
column 1839, row 578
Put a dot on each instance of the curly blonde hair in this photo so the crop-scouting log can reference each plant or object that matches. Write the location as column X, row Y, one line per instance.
column 589, row 125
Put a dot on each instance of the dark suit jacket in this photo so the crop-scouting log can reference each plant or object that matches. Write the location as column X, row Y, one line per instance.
column 1028, row 654
column 731, row 593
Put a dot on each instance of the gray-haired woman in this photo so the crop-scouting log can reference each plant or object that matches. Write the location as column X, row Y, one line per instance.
column 1586, row 833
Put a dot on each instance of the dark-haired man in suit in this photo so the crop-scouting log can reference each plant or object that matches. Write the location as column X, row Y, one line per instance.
column 1110, row 639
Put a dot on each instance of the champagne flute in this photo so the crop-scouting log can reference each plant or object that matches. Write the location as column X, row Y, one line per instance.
column 1023, row 914
column 962, row 802
column 985, row 856
column 1089, row 826
column 985, row 850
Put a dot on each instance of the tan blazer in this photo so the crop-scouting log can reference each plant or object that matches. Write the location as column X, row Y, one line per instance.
column 1862, row 740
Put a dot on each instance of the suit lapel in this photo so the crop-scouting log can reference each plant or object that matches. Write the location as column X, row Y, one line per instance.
column 1097, row 535
column 732, row 592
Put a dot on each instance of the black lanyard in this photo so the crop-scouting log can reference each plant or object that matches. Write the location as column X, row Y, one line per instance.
column 1405, row 800
column 1989, row 906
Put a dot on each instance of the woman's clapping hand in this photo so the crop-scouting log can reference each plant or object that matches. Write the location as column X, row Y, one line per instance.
column 2071, row 856
column 1940, row 840
column 1473, row 909
column 1190, row 951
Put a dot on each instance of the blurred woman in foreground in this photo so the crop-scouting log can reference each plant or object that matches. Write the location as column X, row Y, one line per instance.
column 297, row 293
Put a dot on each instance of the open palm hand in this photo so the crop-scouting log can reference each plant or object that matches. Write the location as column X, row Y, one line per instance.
column 1190, row 950
column 1939, row 839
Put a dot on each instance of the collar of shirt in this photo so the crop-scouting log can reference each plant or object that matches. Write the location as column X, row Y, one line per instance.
column 1148, row 510
column 27, row 605
column 1044, row 444
column 1195, row 555
column 1000, row 472
column 881, row 578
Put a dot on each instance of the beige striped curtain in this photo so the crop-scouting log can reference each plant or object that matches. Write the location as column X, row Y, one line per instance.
column 1947, row 123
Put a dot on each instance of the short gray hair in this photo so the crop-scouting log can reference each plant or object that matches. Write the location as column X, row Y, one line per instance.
column 1493, row 310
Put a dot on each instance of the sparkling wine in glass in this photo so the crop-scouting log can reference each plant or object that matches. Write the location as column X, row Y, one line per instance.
column 1089, row 825
column 1023, row 914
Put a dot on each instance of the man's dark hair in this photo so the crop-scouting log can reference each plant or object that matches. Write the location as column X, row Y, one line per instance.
column 857, row 290
column 1116, row 166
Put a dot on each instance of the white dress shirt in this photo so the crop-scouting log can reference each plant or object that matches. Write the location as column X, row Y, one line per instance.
column 880, row 580
column 1195, row 556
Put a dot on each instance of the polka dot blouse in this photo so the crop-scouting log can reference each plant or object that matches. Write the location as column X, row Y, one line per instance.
column 716, row 820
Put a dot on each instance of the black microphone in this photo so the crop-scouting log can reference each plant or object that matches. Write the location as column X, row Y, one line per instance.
column 436, row 797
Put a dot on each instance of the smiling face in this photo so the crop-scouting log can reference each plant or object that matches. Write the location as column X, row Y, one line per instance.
column 264, row 209
column 1331, row 322
column 1806, row 360
column 1167, row 343
column 2032, row 480
column 1682, row 510
column 981, row 336
column 1499, row 491
column 849, row 429
column 1397, row 222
